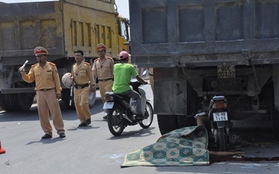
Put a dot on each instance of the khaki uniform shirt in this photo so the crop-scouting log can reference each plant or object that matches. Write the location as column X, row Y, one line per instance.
column 103, row 70
column 45, row 77
column 82, row 74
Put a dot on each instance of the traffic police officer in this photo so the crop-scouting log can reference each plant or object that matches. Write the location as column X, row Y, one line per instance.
column 48, row 91
column 83, row 82
column 103, row 70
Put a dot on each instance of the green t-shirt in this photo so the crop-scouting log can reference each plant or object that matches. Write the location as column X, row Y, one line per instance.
column 122, row 77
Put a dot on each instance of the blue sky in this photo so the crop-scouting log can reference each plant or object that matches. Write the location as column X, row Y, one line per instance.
column 123, row 5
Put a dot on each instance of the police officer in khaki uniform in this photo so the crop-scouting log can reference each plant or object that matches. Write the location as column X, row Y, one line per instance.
column 83, row 82
column 103, row 70
column 48, row 91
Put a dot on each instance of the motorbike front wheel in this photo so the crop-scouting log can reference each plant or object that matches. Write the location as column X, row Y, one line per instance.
column 148, row 116
column 115, row 121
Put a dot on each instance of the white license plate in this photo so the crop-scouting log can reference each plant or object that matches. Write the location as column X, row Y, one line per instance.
column 220, row 116
column 226, row 71
column 108, row 105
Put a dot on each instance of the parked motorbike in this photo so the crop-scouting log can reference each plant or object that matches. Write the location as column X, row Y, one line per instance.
column 218, row 122
column 121, row 112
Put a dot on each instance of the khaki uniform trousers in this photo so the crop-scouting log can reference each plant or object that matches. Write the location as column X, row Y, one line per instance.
column 105, row 86
column 81, row 104
column 48, row 103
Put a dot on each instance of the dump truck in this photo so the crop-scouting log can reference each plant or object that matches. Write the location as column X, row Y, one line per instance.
column 61, row 26
column 199, row 49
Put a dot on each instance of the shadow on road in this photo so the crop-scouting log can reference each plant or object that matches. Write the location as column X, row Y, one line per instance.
column 138, row 133
column 47, row 141
column 32, row 113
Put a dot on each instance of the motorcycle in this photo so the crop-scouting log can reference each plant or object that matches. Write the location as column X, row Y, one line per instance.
column 218, row 122
column 121, row 112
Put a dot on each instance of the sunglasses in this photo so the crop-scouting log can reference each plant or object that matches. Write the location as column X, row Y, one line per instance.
column 99, row 51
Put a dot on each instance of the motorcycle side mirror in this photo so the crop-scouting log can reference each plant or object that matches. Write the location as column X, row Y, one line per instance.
column 144, row 73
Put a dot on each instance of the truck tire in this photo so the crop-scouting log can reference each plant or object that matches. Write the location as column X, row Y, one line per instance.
column 25, row 101
column 186, row 121
column 5, row 103
column 16, row 102
column 275, row 122
column 274, row 114
column 167, row 123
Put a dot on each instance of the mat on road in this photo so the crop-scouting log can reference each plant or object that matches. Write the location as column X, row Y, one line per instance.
column 185, row 146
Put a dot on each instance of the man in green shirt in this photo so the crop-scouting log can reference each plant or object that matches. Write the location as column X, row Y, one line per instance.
column 123, row 72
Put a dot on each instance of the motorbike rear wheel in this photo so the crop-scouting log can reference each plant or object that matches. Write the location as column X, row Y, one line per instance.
column 222, row 139
column 115, row 121
column 149, row 115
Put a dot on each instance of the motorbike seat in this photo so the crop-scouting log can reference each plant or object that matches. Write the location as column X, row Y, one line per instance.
column 220, row 97
column 123, row 97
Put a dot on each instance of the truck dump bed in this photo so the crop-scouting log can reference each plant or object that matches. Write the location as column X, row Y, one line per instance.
column 179, row 33
column 24, row 26
column 61, row 26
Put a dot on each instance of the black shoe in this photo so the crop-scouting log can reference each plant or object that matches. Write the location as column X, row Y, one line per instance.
column 87, row 122
column 62, row 135
column 105, row 118
column 46, row 136
column 82, row 125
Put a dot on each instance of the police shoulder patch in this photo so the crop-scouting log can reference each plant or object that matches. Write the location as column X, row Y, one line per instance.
column 53, row 64
column 96, row 59
column 34, row 65
column 86, row 63
column 109, row 57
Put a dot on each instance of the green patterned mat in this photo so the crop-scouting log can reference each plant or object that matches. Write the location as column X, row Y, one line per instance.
column 185, row 146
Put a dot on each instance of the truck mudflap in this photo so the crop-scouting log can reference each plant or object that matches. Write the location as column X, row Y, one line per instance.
column 175, row 101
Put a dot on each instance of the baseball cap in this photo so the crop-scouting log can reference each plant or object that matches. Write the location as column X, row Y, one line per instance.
column 124, row 55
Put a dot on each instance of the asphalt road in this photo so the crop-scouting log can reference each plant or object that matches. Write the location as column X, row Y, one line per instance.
column 94, row 150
